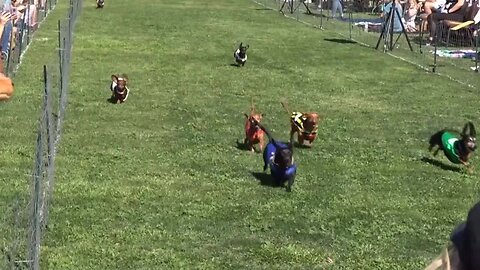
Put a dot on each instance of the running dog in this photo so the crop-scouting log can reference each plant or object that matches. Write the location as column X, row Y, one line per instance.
column 240, row 54
column 279, row 157
column 100, row 3
column 304, row 124
column 119, row 88
column 458, row 149
column 254, row 135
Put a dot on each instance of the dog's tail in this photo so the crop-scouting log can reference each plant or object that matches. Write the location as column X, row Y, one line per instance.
column 252, row 108
column 284, row 105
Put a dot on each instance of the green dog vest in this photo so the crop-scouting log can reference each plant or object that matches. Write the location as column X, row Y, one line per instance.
column 449, row 142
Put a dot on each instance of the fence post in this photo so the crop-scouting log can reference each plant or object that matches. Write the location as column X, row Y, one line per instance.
column 47, row 191
column 35, row 231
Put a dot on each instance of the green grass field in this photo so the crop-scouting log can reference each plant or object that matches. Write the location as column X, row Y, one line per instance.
column 159, row 183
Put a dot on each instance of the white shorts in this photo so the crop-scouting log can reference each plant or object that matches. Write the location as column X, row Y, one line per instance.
column 439, row 4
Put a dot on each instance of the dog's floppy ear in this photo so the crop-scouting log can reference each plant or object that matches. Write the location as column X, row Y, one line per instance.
column 473, row 133
column 114, row 78
column 248, row 46
column 241, row 44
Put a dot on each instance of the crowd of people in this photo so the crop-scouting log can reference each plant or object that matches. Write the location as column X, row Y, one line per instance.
column 16, row 17
column 416, row 15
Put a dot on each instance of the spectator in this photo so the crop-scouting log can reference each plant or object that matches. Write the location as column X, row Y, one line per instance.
column 431, row 6
column 464, row 249
column 337, row 5
column 411, row 15
column 453, row 10
column 397, row 22
column 5, row 34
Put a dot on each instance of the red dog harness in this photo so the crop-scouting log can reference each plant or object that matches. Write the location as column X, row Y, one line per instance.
column 252, row 132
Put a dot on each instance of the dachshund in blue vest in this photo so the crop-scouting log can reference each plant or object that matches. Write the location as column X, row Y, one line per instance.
column 279, row 157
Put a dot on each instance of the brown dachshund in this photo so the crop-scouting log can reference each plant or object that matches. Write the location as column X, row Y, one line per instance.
column 253, row 134
column 119, row 88
column 304, row 124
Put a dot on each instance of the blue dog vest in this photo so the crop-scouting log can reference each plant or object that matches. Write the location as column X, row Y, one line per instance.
column 279, row 174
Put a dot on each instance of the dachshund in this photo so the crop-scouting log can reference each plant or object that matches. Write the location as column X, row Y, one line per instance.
column 279, row 157
column 240, row 54
column 253, row 134
column 457, row 149
column 119, row 88
column 304, row 124
column 100, row 3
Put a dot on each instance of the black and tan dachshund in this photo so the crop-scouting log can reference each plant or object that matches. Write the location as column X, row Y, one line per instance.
column 458, row 148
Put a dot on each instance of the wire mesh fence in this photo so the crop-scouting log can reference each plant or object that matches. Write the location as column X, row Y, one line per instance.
column 363, row 21
column 26, row 220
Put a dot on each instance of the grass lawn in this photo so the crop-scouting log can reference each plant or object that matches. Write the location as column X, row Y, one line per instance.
column 158, row 182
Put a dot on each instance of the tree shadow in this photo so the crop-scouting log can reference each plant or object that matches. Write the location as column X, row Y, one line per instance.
column 441, row 165
column 340, row 40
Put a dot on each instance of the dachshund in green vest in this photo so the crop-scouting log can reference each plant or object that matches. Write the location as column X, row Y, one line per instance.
column 458, row 148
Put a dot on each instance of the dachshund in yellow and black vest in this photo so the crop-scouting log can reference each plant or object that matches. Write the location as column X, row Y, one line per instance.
column 304, row 124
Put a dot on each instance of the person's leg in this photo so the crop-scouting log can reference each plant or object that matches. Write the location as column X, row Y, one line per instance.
column 435, row 18
column 335, row 4
column 340, row 8
column 5, row 40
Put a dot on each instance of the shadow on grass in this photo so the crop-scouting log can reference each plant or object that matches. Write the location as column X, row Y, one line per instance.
column 241, row 146
column 262, row 9
column 302, row 146
column 442, row 165
column 341, row 41
column 111, row 100
column 265, row 179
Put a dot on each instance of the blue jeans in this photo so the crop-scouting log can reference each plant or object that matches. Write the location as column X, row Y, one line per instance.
column 5, row 39
column 336, row 5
